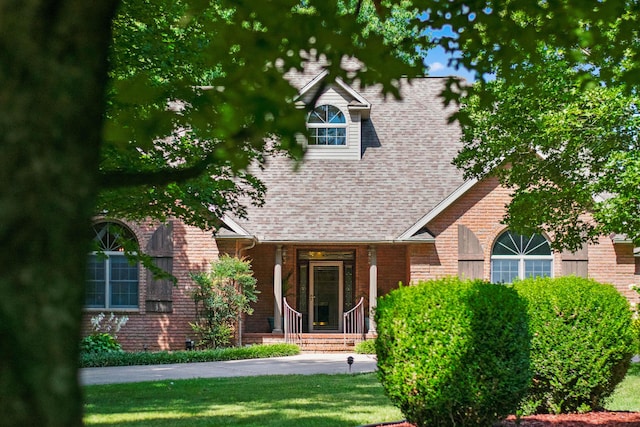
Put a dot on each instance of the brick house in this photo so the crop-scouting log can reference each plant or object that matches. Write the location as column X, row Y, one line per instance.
column 375, row 203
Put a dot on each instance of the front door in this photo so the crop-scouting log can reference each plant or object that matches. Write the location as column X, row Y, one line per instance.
column 325, row 296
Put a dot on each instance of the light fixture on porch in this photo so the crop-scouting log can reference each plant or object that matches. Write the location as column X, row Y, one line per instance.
column 284, row 255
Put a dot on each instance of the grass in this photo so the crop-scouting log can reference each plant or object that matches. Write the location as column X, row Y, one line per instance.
column 627, row 394
column 289, row 400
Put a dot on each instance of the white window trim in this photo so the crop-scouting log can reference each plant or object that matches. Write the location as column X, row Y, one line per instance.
column 327, row 125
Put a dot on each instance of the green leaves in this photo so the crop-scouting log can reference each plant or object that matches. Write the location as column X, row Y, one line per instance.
column 221, row 296
column 560, row 147
column 197, row 88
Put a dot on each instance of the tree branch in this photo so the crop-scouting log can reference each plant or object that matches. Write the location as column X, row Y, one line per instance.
column 123, row 178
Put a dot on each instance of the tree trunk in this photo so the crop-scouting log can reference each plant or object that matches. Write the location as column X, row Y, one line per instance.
column 52, row 79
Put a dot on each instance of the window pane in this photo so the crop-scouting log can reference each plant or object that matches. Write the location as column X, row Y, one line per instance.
column 538, row 245
column 334, row 115
column 124, row 282
column 537, row 268
column 96, row 285
column 507, row 244
column 504, row 270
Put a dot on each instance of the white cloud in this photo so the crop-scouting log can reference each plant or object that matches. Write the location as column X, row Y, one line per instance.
column 436, row 66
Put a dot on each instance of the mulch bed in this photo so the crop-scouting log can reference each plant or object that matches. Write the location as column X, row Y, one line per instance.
column 589, row 419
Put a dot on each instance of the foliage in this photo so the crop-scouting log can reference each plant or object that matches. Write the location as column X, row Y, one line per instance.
column 496, row 37
column 582, row 342
column 220, row 297
column 558, row 148
column 99, row 343
column 366, row 347
column 197, row 93
column 93, row 360
column 453, row 352
column 104, row 338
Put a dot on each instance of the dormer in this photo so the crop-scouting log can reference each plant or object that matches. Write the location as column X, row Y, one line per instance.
column 334, row 125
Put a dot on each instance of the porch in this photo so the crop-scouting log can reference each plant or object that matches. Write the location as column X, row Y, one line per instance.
column 353, row 332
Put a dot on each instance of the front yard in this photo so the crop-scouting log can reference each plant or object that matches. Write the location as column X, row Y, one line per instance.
column 292, row 400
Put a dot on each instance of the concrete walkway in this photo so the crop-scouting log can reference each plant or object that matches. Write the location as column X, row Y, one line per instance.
column 302, row 364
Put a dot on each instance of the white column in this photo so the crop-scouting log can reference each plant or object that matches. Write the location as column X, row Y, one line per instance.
column 277, row 292
column 373, row 287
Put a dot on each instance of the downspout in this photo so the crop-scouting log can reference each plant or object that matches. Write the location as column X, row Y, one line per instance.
column 239, row 251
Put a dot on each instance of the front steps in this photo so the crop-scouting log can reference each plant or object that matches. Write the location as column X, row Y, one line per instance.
column 309, row 343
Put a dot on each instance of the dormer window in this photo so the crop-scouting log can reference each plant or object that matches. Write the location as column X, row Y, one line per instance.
column 327, row 126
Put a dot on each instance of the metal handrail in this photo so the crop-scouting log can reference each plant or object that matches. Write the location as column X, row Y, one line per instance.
column 292, row 324
column 353, row 322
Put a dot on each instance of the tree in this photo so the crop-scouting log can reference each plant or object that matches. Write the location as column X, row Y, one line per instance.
column 63, row 141
column 220, row 68
column 569, row 153
column 67, row 131
column 221, row 297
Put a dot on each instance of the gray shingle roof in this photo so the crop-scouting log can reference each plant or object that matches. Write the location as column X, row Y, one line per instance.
column 405, row 171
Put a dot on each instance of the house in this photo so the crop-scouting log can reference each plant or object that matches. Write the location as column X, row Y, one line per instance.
column 376, row 203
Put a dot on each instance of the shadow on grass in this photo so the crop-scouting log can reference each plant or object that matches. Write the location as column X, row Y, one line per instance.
column 291, row 400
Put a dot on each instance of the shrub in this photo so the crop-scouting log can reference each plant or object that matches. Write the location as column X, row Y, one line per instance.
column 99, row 343
column 453, row 352
column 92, row 360
column 220, row 297
column 582, row 342
column 104, row 338
column 366, row 347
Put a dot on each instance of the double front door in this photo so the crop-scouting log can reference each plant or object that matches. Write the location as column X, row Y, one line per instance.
column 326, row 284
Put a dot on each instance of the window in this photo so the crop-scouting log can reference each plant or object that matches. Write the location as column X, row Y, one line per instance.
column 112, row 280
column 327, row 126
column 517, row 257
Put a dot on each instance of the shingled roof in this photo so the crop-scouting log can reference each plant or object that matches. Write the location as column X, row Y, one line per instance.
column 405, row 171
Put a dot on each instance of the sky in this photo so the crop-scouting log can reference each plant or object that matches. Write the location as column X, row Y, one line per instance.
column 438, row 62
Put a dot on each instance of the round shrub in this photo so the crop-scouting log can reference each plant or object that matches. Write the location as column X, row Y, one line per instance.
column 453, row 352
column 582, row 343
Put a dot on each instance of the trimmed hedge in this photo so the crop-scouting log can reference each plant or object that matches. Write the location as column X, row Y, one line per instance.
column 366, row 347
column 582, row 343
column 453, row 352
column 92, row 360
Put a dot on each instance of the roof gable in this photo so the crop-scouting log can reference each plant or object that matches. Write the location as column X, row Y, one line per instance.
column 404, row 169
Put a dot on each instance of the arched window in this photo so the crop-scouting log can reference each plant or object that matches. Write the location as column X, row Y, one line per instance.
column 517, row 257
column 327, row 126
column 112, row 280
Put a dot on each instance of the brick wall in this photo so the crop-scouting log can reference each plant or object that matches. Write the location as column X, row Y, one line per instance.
column 194, row 250
column 481, row 210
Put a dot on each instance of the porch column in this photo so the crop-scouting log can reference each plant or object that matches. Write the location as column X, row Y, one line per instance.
column 277, row 292
column 373, row 287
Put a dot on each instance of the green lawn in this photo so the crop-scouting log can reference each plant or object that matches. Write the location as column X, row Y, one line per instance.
column 291, row 400
column 627, row 395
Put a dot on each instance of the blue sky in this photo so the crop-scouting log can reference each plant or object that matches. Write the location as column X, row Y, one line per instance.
column 438, row 63
column 438, row 60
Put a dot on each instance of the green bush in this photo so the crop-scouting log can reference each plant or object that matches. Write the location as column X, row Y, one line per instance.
column 582, row 342
column 366, row 347
column 221, row 296
column 99, row 343
column 92, row 360
column 453, row 352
